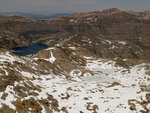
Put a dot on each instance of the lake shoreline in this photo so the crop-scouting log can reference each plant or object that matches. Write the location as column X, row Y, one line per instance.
column 28, row 50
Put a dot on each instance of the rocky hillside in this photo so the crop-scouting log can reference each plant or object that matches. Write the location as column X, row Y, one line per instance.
column 96, row 62
column 105, row 33
column 68, row 78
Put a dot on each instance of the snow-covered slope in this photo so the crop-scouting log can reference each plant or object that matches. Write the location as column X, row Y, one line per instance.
column 42, row 84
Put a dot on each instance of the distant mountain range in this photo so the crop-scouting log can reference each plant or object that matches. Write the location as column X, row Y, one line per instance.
column 36, row 15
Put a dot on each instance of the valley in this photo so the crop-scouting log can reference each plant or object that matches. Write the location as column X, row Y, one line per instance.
column 95, row 62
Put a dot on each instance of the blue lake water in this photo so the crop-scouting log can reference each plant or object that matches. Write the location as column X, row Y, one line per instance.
column 27, row 50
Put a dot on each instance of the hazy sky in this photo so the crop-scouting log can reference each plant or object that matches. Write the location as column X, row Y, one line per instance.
column 61, row 6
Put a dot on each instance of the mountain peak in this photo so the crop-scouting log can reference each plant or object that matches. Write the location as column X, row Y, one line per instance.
column 110, row 10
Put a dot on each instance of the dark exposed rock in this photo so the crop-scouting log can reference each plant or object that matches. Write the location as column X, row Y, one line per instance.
column 148, row 97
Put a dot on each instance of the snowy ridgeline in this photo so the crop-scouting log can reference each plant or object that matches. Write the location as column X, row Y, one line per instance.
column 108, row 90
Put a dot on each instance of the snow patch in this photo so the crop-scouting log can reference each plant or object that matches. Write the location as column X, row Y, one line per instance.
column 52, row 58
column 73, row 48
column 122, row 42
column 9, row 99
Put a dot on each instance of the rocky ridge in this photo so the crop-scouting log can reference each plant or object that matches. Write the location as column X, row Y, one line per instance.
column 110, row 32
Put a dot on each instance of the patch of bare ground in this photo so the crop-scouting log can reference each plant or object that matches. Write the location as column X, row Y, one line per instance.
column 145, row 88
column 133, row 103
column 25, row 106
column 114, row 84
column 64, row 110
column 4, row 96
column 6, row 109
column 148, row 97
column 64, row 96
column 53, row 103
column 91, row 107
column 36, row 106
column 147, row 67
column 9, row 80
column 128, row 62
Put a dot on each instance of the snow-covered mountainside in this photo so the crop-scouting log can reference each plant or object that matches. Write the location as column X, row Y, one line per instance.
column 96, row 62
column 70, row 79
